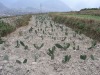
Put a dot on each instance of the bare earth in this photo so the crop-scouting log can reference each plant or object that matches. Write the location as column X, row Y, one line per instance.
column 38, row 61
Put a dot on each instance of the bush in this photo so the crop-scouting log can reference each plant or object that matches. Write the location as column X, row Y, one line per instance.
column 5, row 28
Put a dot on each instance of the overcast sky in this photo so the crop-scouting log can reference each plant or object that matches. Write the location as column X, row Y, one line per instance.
column 74, row 4
column 79, row 4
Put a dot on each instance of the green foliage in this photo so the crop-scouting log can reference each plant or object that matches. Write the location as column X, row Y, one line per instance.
column 5, row 28
column 92, row 57
column 51, row 52
column 90, row 9
column 25, row 61
column 25, row 46
column 19, row 62
column 38, row 47
column 78, row 47
column 66, row 45
column 17, row 46
column 66, row 58
column 1, row 41
column 35, row 31
column 36, row 57
column 6, row 57
column 74, row 48
column 86, row 24
column 58, row 46
column 22, row 43
column 83, row 57
column 66, row 33
column 30, row 30
column 51, row 25
column 63, row 39
column 94, row 43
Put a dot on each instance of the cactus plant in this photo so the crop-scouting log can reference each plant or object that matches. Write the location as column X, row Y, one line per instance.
column 92, row 57
column 17, row 46
column 38, row 47
column 58, row 46
column 93, row 45
column 19, row 62
column 22, row 43
column 30, row 30
column 66, row 59
column 83, row 57
column 51, row 52
column 25, row 61
column 25, row 46
column 66, row 46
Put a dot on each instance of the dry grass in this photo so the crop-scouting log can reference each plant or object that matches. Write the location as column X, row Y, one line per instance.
column 88, row 26
column 23, row 21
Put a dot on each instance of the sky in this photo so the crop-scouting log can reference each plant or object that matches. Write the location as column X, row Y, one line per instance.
column 79, row 4
column 73, row 4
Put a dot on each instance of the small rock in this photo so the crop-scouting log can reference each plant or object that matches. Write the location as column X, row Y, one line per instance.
column 33, row 63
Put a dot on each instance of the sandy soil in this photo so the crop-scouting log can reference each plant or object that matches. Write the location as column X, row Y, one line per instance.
column 38, row 61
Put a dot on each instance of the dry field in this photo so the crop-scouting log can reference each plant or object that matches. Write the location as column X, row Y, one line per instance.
column 47, row 48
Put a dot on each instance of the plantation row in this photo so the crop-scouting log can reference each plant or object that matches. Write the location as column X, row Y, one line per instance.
column 86, row 24
column 40, row 22
column 6, row 27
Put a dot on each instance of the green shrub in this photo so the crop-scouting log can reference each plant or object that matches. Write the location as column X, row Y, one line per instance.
column 5, row 28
